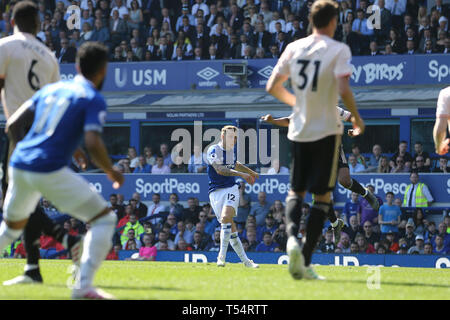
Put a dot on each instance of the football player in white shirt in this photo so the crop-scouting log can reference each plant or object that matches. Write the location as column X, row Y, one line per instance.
column 26, row 65
column 319, row 69
column 442, row 125
column 344, row 177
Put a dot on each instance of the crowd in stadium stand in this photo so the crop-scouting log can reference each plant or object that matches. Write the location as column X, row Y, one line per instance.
column 152, row 30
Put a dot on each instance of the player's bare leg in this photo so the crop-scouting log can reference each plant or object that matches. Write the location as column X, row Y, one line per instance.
column 97, row 244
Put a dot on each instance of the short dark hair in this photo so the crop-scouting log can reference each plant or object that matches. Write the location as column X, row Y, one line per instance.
column 322, row 12
column 25, row 15
column 91, row 57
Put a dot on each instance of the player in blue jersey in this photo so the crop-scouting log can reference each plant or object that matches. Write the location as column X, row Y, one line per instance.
column 224, row 192
column 64, row 113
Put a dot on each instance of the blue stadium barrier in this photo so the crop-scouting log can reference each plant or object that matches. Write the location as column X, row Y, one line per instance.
column 373, row 70
column 275, row 186
column 387, row 260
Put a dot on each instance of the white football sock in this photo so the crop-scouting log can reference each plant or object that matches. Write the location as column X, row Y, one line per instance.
column 97, row 243
column 29, row 267
column 237, row 246
column 8, row 235
column 225, row 233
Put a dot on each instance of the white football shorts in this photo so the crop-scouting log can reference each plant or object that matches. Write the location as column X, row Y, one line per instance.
column 65, row 189
column 221, row 198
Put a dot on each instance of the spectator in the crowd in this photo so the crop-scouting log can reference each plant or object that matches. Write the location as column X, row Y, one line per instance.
column 418, row 165
column 419, row 221
column 443, row 166
column 210, row 225
column 198, row 244
column 118, row 209
column 383, row 165
column 430, row 232
column 369, row 235
column 260, row 209
column 269, row 226
column 375, row 157
column 171, row 224
column 427, row 248
column 174, row 207
column 354, row 166
column 418, row 148
column 130, row 242
column 364, row 246
column 417, row 193
column 280, row 237
column 164, row 151
column 354, row 248
column 359, row 157
column 114, row 253
column 178, row 166
column 366, row 212
column 140, row 207
column 406, row 156
column 142, row 166
column 344, row 243
column 136, row 15
column 182, row 245
column 276, row 168
column 155, row 208
column 160, row 167
column 185, row 231
column 267, row 244
column 148, row 251
column 439, row 247
column 400, row 166
column 392, row 245
column 132, row 224
column 215, row 244
column 381, row 249
column 197, row 162
column 163, row 237
column 351, row 207
column 327, row 245
column 117, row 28
column 418, row 247
column 244, row 204
column 66, row 54
column 403, row 249
column 149, row 156
column 353, row 228
column 278, row 212
column 389, row 216
column 409, row 233
column 192, row 211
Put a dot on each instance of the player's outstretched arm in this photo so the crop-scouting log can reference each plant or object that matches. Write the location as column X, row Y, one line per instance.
column 97, row 150
column 275, row 87
column 439, row 131
column 281, row 122
column 243, row 168
column 19, row 122
column 346, row 94
column 225, row 170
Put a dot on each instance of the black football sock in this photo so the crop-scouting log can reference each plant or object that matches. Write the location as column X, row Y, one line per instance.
column 330, row 214
column 314, row 229
column 357, row 187
column 293, row 215
column 31, row 235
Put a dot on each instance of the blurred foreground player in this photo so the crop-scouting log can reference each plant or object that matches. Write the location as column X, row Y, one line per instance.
column 26, row 65
column 224, row 192
column 442, row 125
column 319, row 69
column 64, row 113
column 344, row 177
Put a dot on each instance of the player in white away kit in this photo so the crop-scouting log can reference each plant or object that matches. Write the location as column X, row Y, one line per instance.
column 442, row 125
column 26, row 65
column 319, row 69
column 224, row 192
column 344, row 177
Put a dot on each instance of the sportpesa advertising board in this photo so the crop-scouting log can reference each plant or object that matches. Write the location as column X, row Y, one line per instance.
column 275, row 186
column 173, row 75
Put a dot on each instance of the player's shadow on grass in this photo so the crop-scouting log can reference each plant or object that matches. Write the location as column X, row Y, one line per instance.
column 392, row 283
column 126, row 287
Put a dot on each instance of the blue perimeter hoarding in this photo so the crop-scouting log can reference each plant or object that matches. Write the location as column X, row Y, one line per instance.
column 386, row 260
column 275, row 186
column 367, row 71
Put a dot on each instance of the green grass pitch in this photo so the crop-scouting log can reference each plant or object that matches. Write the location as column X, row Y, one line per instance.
column 196, row 281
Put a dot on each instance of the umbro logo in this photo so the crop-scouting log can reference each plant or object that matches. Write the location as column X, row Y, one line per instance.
column 266, row 72
column 207, row 73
